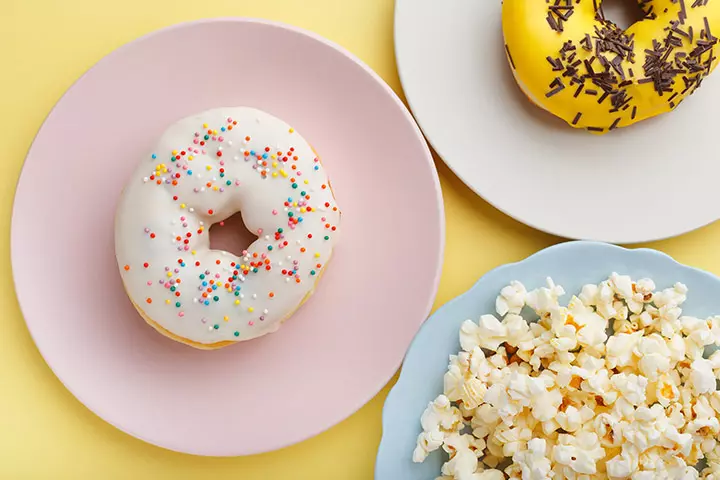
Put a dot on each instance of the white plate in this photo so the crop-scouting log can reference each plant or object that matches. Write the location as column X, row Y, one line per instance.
column 653, row 180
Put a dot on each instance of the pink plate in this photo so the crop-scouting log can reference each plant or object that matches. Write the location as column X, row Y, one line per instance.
column 338, row 351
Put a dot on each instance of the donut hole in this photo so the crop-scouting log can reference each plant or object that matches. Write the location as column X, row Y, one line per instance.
column 231, row 235
column 622, row 13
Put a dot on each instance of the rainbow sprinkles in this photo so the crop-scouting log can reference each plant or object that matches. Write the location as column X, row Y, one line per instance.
column 204, row 169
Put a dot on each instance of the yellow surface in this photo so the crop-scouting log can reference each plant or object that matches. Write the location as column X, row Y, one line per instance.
column 44, row 432
column 530, row 41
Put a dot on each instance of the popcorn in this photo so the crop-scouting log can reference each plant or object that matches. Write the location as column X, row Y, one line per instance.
column 714, row 325
column 470, row 391
column 715, row 361
column 693, row 350
column 485, row 420
column 439, row 421
column 599, row 384
column 608, row 429
column 487, row 333
column 533, row 463
column 702, row 377
column 666, row 390
column 634, row 294
column 676, row 346
column 465, row 380
column 579, row 453
column 518, row 332
column 697, row 331
column 652, row 429
column 631, row 387
column 620, row 348
column 624, row 464
column 642, row 320
column 654, row 356
column 557, row 398
column 572, row 419
column 675, row 415
column 704, row 422
column 546, row 404
column 545, row 300
column 565, row 339
column 645, row 286
column 675, row 296
column 623, row 325
column 589, row 295
column 589, row 363
column 589, row 326
column 712, row 471
column 489, row 475
column 655, row 467
column 622, row 286
column 511, row 438
column 522, row 387
column 464, row 451
column 511, row 299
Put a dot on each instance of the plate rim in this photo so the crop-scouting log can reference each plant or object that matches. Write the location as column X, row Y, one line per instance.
column 463, row 178
column 403, row 376
column 15, row 239
column 411, row 103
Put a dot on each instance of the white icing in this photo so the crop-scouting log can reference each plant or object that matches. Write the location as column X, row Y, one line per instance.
column 148, row 210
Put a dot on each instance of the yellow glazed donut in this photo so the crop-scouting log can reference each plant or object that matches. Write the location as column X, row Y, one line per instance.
column 569, row 60
column 204, row 169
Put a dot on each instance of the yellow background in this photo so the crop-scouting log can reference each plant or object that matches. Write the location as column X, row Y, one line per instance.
column 44, row 432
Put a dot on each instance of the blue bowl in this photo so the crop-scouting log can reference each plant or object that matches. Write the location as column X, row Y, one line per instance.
column 572, row 265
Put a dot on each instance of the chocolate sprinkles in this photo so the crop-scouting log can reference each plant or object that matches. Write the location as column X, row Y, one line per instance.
column 556, row 87
column 708, row 34
column 553, row 23
column 559, row 12
column 607, row 74
column 556, row 63
column 682, row 16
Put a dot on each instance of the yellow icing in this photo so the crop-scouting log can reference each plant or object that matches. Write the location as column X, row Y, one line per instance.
column 530, row 39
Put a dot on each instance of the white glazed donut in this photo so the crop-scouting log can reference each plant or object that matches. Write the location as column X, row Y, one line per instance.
column 204, row 169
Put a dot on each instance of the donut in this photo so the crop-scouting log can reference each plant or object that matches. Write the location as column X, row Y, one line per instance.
column 572, row 62
column 204, row 169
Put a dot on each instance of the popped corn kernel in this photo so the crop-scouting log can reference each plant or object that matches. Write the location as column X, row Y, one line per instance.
column 565, row 397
